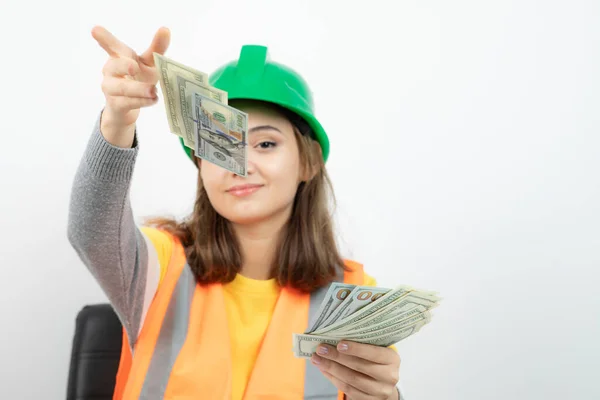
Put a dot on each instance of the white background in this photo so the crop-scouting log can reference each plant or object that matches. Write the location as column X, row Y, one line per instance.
column 465, row 158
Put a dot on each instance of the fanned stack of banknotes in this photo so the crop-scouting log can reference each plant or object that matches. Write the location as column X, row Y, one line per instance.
column 366, row 314
column 199, row 114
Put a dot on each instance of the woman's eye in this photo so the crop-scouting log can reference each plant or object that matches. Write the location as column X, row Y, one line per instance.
column 266, row 145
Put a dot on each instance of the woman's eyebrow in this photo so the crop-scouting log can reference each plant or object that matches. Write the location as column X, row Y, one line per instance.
column 263, row 128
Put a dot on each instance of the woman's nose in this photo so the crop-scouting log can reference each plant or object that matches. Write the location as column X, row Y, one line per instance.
column 251, row 161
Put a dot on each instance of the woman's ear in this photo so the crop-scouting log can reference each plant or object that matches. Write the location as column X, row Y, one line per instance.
column 312, row 164
column 307, row 173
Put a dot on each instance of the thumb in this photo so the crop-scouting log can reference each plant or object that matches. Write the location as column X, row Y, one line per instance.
column 159, row 45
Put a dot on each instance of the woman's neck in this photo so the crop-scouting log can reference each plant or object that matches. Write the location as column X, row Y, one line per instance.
column 258, row 243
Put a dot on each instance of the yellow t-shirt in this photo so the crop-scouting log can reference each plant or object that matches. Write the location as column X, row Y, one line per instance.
column 248, row 320
column 250, row 304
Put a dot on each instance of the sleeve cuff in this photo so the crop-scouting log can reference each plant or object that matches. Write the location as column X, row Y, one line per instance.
column 109, row 162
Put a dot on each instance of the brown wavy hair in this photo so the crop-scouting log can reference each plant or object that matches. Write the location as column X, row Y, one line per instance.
column 307, row 257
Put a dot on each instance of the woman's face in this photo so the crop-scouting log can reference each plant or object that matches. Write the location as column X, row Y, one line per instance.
column 274, row 171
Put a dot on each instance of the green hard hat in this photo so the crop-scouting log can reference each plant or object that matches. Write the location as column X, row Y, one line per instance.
column 255, row 77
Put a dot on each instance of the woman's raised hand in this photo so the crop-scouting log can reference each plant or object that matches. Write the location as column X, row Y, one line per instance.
column 129, row 83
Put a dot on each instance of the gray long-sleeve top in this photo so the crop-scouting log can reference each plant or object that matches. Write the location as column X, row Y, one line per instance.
column 102, row 230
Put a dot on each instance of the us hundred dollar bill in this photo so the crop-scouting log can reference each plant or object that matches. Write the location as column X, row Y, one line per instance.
column 413, row 304
column 178, row 82
column 361, row 296
column 220, row 134
column 336, row 294
column 349, row 320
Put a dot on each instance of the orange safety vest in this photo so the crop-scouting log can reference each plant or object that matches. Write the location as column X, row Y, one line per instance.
column 183, row 349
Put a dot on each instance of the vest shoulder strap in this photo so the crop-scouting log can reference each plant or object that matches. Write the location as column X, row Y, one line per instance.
column 156, row 310
column 354, row 273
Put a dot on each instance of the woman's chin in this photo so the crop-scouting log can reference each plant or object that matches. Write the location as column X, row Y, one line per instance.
column 246, row 217
column 255, row 213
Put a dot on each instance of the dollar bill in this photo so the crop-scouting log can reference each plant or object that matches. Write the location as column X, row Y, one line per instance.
column 336, row 294
column 412, row 304
column 178, row 82
column 168, row 64
column 186, row 90
column 387, row 299
column 221, row 134
column 395, row 337
column 384, row 330
column 360, row 297
column 306, row 345
column 168, row 90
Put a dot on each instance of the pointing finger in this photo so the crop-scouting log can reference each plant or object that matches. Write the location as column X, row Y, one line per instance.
column 113, row 46
column 159, row 45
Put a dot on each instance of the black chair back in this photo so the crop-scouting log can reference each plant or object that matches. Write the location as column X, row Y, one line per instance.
column 95, row 354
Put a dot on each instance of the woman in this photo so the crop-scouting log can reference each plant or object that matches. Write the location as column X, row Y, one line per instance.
column 209, row 305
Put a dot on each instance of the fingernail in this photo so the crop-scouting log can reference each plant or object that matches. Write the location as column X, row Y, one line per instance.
column 322, row 350
column 315, row 361
column 343, row 347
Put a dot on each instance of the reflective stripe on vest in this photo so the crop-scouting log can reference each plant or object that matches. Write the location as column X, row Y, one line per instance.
column 176, row 323
column 316, row 385
column 172, row 336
